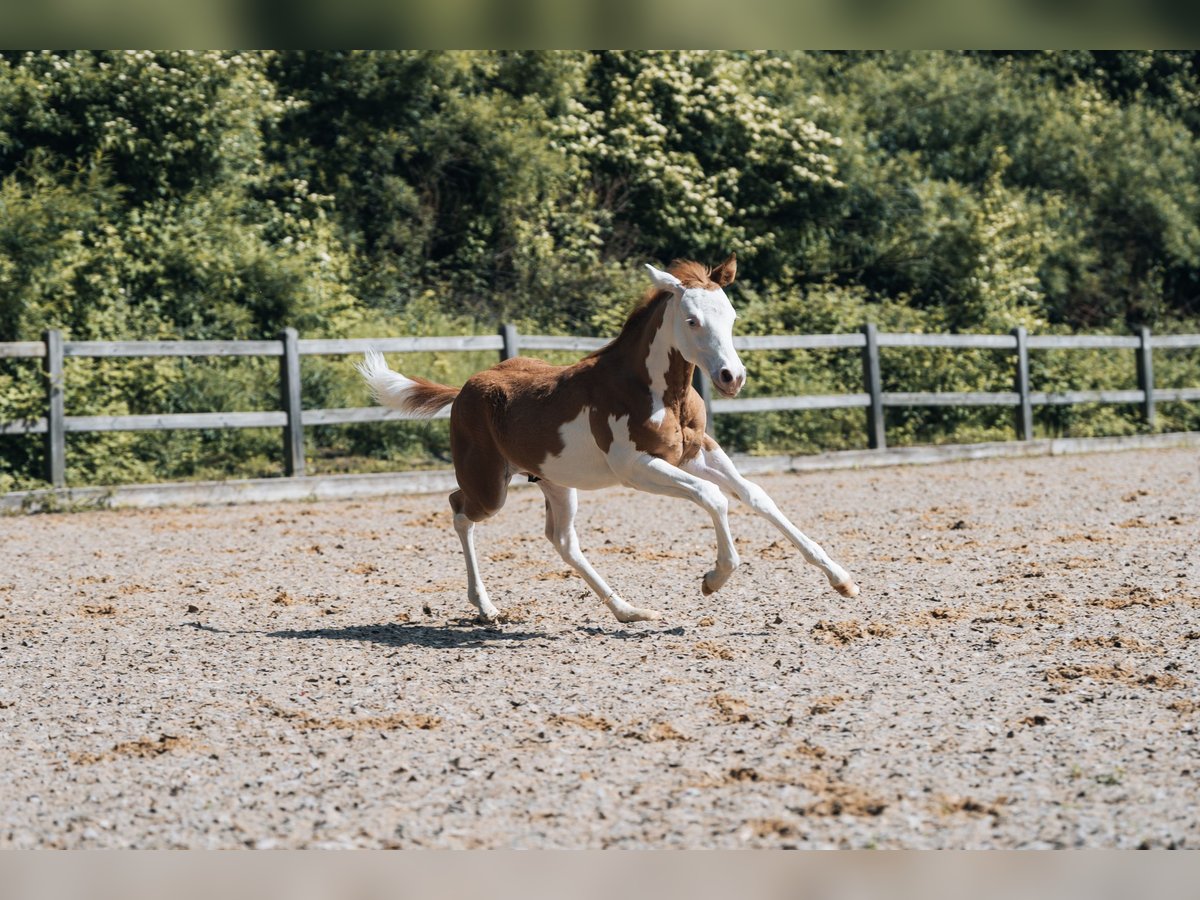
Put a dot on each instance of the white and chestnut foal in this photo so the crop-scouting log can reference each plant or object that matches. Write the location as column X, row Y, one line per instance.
column 626, row 414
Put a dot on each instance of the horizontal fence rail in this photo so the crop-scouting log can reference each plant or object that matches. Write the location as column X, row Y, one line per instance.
column 268, row 419
column 337, row 347
column 19, row 349
column 172, row 348
column 291, row 418
column 953, row 341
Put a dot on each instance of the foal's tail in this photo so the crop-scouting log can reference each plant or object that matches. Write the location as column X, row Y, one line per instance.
column 415, row 397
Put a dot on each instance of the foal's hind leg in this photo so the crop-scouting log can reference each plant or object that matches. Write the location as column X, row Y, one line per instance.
column 465, row 527
column 712, row 464
column 561, row 505
column 483, row 500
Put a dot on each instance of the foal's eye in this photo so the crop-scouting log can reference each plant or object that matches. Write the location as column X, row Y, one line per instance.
column 693, row 323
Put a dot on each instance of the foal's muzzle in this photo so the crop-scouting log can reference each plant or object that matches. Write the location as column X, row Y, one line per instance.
column 729, row 381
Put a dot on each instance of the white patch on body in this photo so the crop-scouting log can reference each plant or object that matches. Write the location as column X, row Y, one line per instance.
column 581, row 464
column 623, row 453
column 658, row 364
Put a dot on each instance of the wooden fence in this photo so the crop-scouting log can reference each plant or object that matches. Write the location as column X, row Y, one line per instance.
column 292, row 417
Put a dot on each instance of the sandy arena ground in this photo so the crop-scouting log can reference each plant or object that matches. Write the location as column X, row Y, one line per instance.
column 1019, row 671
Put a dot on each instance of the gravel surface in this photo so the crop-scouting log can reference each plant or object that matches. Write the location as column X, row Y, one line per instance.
column 1019, row 671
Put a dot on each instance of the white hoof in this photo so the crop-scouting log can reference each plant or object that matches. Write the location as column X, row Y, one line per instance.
column 847, row 588
column 626, row 613
column 715, row 579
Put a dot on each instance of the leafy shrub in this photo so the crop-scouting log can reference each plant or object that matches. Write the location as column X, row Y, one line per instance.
column 226, row 195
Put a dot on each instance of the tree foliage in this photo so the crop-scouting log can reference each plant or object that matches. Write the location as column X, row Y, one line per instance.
column 226, row 195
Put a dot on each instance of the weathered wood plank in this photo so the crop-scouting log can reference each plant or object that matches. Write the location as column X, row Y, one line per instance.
column 782, row 404
column 1168, row 395
column 740, row 342
column 265, row 419
column 873, row 385
column 56, row 439
column 552, row 342
column 24, row 426
column 853, row 340
column 22, row 349
column 1066, row 398
column 344, row 346
column 510, row 346
column 358, row 414
column 1174, row 341
column 337, row 346
column 1145, row 375
column 951, row 398
column 172, row 348
column 289, row 399
column 956, row 341
column 1024, row 415
column 1082, row 341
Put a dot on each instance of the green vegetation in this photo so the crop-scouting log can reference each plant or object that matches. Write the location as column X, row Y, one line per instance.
column 227, row 195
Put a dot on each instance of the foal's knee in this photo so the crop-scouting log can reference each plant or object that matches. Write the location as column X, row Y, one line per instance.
column 563, row 542
column 756, row 498
column 712, row 498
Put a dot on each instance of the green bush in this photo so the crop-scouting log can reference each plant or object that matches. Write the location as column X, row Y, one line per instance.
column 187, row 195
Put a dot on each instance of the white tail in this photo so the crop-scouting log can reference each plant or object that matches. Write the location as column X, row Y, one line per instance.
column 415, row 397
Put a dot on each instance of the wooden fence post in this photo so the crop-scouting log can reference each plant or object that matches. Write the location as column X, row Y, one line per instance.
column 289, row 386
column 873, row 383
column 1145, row 375
column 703, row 385
column 56, row 432
column 508, row 334
column 1025, row 406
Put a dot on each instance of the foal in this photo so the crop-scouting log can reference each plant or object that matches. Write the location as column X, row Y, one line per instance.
column 625, row 414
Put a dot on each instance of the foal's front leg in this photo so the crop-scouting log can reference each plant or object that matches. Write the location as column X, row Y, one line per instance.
column 656, row 476
column 713, row 465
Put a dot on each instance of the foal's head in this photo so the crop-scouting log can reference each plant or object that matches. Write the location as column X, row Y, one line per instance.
column 702, row 318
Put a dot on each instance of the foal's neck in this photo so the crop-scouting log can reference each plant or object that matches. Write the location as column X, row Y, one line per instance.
column 653, row 356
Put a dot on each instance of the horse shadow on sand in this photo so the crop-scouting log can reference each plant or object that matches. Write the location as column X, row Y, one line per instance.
column 467, row 633
column 461, row 633
column 408, row 634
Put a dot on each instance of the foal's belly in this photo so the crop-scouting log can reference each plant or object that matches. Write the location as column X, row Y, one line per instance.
column 581, row 464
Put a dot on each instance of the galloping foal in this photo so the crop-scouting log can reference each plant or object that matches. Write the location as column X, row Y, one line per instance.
column 625, row 414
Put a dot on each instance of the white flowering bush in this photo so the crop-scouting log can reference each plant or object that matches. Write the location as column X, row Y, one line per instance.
column 698, row 151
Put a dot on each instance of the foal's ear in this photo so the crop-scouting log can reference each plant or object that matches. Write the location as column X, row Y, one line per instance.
column 725, row 272
column 664, row 281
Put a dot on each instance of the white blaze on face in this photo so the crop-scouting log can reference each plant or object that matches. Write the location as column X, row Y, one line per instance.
column 700, row 322
column 705, row 336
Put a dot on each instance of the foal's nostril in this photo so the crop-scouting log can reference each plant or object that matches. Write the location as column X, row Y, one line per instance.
column 726, row 377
